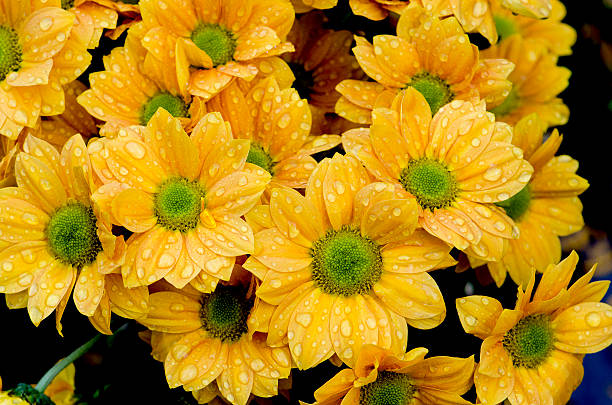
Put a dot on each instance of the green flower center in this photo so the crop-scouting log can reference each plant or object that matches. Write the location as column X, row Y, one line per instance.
column 388, row 389
column 505, row 27
column 435, row 90
column 258, row 156
column 173, row 104
column 178, row 204
column 345, row 263
column 224, row 313
column 510, row 104
column 530, row 342
column 30, row 395
column 304, row 81
column 72, row 235
column 218, row 42
column 10, row 52
column 67, row 4
column 430, row 181
column 517, row 205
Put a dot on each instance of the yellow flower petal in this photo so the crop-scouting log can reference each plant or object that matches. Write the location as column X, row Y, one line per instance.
column 133, row 209
column 20, row 263
column 277, row 252
column 49, row 287
column 236, row 382
column 583, row 328
column 88, row 289
column 295, row 217
column 237, row 192
column 132, row 303
column 478, row 314
column 41, row 181
column 231, row 236
column 172, row 312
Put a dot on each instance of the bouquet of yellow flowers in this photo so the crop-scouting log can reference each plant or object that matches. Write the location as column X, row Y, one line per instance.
column 295, row 201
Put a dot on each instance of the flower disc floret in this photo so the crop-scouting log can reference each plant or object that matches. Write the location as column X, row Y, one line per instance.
column 224, row 313
column 178, row 204
column 67, row 4
column 218, row 42
column 173, row 104
column 72, row 235
column 389, row 389
column 345, row 263
column 517, row 205
column 435, row 90
column 258, row 156
column 530, row 342
column 10, row 52
column 430, row 181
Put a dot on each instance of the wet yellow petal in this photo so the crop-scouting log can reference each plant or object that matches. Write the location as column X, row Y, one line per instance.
column 131, row 303
column 133, row 209
column 274, row 250
column 356, row 142
column 583, row 328
column 172, row 312
column 236, row 382
column 295, row 217
column 41, row 181
column 88, row 289
column 237, row 192
column 277, row 335
column 478, row 314
column 231, row 236
column 556, row 278
column 48, row 288
column 19, row 264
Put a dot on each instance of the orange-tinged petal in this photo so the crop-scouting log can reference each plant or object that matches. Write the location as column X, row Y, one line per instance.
column 218, row 267
column 489, row 390
column 336, row 388
column 294, row 171
column 478, row 314
column 561, row 366
column 359, row 93
column 392, row 328
column 372, row 194
column 319, row 143
column 156, row 255
column 77, row 172
column 414, row 296
column 279, row 323
column 314, row 193
column 259, row 218
column 310, row 323
column 102, row 316
column 556, row 278
column 562, row 216
column 452, row 226
column 276, row 285
column 583, row 328
column 295, row 217
column 131, row 303
column 585, row 291
column 507, row 320
column 88, row 289
column 21, row 221
column 388, row 142
column 236, row 382
column 17, row 300
column 175, row 151
column 558, row 178
column 19, row 264
column 255, row 42
column 231, row 236
column 173, row 313
column 344, row 177
column 31, row 73
column 364, row 53
column 185, row 269
column 180, row 18
column 206, row 83
column 223, row 160
column 195, row 359
column 47, row 30
column 400, row 59
column 529, row 388
column 435, row 397
column 133, row 209
column 41, row 181
column 237, row 192
column 451, row 373
column 48, row 288
column 273, row 249
column 356, row 142
column 353, row 325
column 390, row 220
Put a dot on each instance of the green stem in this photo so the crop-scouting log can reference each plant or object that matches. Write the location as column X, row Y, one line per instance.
column 62, row 364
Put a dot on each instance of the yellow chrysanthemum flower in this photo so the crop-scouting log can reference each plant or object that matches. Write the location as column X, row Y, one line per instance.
column 478, row 15
column 321, row 60
column 277, row 122
column 53, row 238
column 455, row 165
column 38, row 55
column 60, row 390
column 557, row 37
column 536, row 82
column 74, row 120
column 343, row 266
column 532, row 354
column 91, row 20
column 214, row 42
column 430, row 55
column 181, row 196
column 377, row 9
column 134, row 85
column 380, row 377
column 211, row 343
column 548, row 206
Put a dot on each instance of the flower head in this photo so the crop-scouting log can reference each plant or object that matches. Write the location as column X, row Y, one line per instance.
column 546, row 208
column 38, row 55
column 220, row 40
column 212, row 343
column 54, row 238
column 134, row 85
column 455, row 166
column 536, row 82
column 532, row 353
column 181, row 196
column 277, row 122
column 343, row 266
column 433, row 56
column 381, row 377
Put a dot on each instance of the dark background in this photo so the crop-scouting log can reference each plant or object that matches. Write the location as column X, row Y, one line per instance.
column 120, row 370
